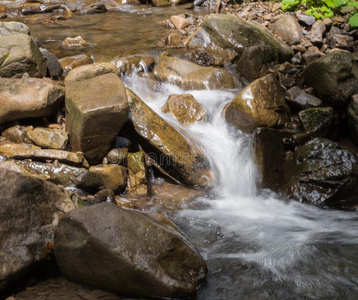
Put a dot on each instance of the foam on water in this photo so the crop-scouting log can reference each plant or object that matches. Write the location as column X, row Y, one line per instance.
column 288, row 248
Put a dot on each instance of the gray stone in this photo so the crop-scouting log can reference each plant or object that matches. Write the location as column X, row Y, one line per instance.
column 317, row 33
column 29, row 211
column 306, row 20
column 54, row 69
column 128, row 252
column 11, row 28
column 300, row 99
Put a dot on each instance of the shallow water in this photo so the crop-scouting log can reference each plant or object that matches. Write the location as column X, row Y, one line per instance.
column 257, row 246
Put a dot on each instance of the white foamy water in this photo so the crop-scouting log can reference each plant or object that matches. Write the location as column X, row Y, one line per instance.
column 258, row 246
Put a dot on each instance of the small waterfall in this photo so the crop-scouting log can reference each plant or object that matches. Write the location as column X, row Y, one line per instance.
column 258, row 246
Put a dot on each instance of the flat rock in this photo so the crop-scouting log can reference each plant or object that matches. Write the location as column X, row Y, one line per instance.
column 29, row 98
column 96, row 110
column 172, row 150
column 90, row 71
column 300, row 99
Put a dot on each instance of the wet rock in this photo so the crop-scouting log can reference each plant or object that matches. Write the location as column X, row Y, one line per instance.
column 39, row 9
column 23, row 151
column 105, row 196
column 50, row 138
column 90, row 71
column 317, row 33
column 72, row 62
column 300, row 99
column 173, row 150
column 203, row 58
column 255, row 61
column 228, row 36
column 113, row 177
column 96, row 110
column 188, row 75
column 19, row 54
column 260, row 104
column 137, row 174
column 160, row 2
column 185, row 108
column 117, row 156
column 16, row 134
column 95, row 8
column 173, row 39
column 129, row 252
column 352, row 115
column 321, row 173
column 27, row 231
column 318, row 122
column 179, row 22
column 269, row 153
column 11, row 28
column 133, row 64
column 334, row 77
column 54, row 69
column 56, row 173
column 306, row 20
column 288, row 29
column 77, row 41
column 29, row 98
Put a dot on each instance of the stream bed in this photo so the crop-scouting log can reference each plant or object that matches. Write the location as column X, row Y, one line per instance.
column 256, row 245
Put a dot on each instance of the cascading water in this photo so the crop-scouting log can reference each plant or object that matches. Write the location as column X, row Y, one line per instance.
column 257, row 246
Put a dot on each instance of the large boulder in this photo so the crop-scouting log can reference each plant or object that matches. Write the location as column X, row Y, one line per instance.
column 96, row 110
column 228, row 36
column 260, row 104
column 321, row 173
column 334, row 77
column 19, row 54
column 185, row 108
column 29, row 98
column 172, row 150
column 288, row 29
column 29, row 211
column 190, row 76
column 128, row 252
column 352, row 115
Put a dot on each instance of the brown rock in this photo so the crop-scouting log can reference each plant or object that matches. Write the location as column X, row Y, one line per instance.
column 185, row 108
column 29, row 98
column 137, row 174
column 179, row 22
column 174, row 151
column 96, row 110
column 288, row 29
column 90, row 71
column 114, row 177
column 16, row 134
column 71, row 62
column 77, row 41
column 48, row 138
column 260, row 104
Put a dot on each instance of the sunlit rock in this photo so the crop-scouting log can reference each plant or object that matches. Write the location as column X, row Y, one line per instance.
column 96, row 110
column 190, row 76
column 11, row 28
column 137, row 174
column 19, row 54
column 172, row 150
column 71, row 62
column 185, row 108
column 113, row 177
column 26, row 232
column 260, row 104
column 90, row 71
column 77, row 41
column 29, row 98
column 129, row 252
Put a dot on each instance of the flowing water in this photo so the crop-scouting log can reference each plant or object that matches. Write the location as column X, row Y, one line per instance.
column 256, row 245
